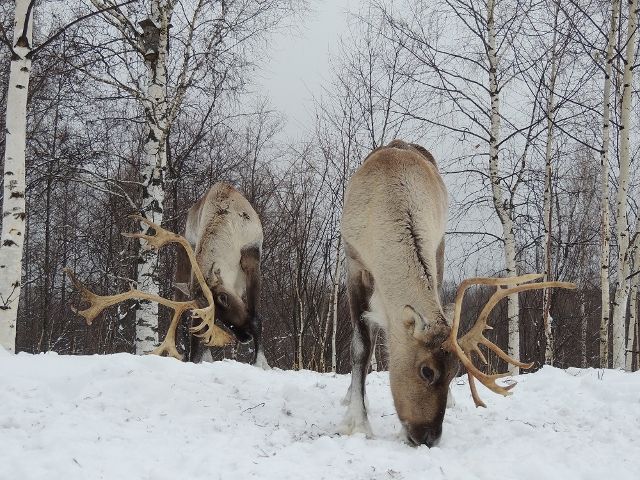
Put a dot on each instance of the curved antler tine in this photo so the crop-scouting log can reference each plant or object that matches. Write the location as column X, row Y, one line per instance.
column 147, row 245
column 199, row 327
column 474, row 392
column 89, row 314
column 77, row 283
column 218, row 338
column 469, row 343
column 501, row 353
column 526, row 278
column 168, row 345
column 475, row 349
column 145, row 220
column 211, row 334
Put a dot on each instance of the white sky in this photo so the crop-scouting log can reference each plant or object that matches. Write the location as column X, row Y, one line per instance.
column 299, row 60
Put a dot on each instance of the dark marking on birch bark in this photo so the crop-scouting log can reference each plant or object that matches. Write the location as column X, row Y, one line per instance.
column 155, row 207
column 152, row 136
column 9, row 243
column 16, row 195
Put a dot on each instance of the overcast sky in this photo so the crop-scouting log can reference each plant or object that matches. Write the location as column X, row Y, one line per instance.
column 299, row 60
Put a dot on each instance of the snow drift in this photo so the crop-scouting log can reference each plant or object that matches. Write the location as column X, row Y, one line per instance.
column 127, row 417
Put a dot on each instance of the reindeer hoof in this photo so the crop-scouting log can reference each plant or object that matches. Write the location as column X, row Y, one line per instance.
column 261, row 362
column 346, row 400
column 355, row 422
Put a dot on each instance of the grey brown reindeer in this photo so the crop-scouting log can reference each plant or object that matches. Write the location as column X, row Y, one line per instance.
column 226, row 234
column 217, row 275
column 393, row 226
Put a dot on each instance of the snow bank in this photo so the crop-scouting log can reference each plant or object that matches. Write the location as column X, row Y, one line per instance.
column 125, row 417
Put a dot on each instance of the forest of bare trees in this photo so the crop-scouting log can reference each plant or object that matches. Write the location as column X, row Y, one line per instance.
column 112, row 108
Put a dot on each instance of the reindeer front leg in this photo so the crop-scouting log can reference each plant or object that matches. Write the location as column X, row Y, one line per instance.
column 250, row 264
column 359, row 291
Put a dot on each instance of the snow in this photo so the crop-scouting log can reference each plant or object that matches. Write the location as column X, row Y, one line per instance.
column 122, row 416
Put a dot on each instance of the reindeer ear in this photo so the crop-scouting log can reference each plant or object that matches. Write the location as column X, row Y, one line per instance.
column 414, row 323
column 182, row 288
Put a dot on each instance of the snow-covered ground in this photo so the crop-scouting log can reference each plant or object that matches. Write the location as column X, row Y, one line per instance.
column 125, row 417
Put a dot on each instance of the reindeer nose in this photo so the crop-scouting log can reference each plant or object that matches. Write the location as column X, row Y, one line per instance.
column 424, row 435
column 241, row 334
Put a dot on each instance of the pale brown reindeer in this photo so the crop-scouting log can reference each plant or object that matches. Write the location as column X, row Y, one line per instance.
column 217, row 274
column 226, row 234
column 393, row 226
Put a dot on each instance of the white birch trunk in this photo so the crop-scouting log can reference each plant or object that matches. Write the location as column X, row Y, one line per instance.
column 152, row 173
column 583, row 332
column 636, row 292
column 604, row 206
column 336, row 285
column 502, row 208
column 546, row 296
column 332, row 307
column 621, row 295
column 300, row 342
column 325, row 336
column 13, row 206
column 548, row 335
column 633, row 308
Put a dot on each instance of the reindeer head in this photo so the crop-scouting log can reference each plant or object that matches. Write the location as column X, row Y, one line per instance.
column 425, row 360
column 231, row 311
column 420, row 372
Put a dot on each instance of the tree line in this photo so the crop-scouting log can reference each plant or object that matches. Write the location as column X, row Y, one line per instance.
column 114, row 108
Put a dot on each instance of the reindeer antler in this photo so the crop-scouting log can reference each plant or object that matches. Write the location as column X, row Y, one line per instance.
column 474, row 337
column 211, row 334
column 206, row 329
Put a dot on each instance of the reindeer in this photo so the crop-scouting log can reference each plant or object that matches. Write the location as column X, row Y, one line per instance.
column 226, row 234
column 393, row 226
column 217, row 274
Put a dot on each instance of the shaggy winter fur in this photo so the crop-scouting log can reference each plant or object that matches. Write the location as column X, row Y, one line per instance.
column 226, row 234
column 393, row 227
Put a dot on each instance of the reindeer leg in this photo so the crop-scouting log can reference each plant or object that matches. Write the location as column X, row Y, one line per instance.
column 196, row 347
column 359, row 292
column 250, row 264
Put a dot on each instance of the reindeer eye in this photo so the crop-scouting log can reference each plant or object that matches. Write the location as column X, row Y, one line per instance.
column 427, row 374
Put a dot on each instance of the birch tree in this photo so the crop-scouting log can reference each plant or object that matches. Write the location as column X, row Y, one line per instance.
column 548, row 157
column 502, row 208
column 13, row 207
column 604, row 166
column 155, row 44
column 621, row 295
column 634, row 334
